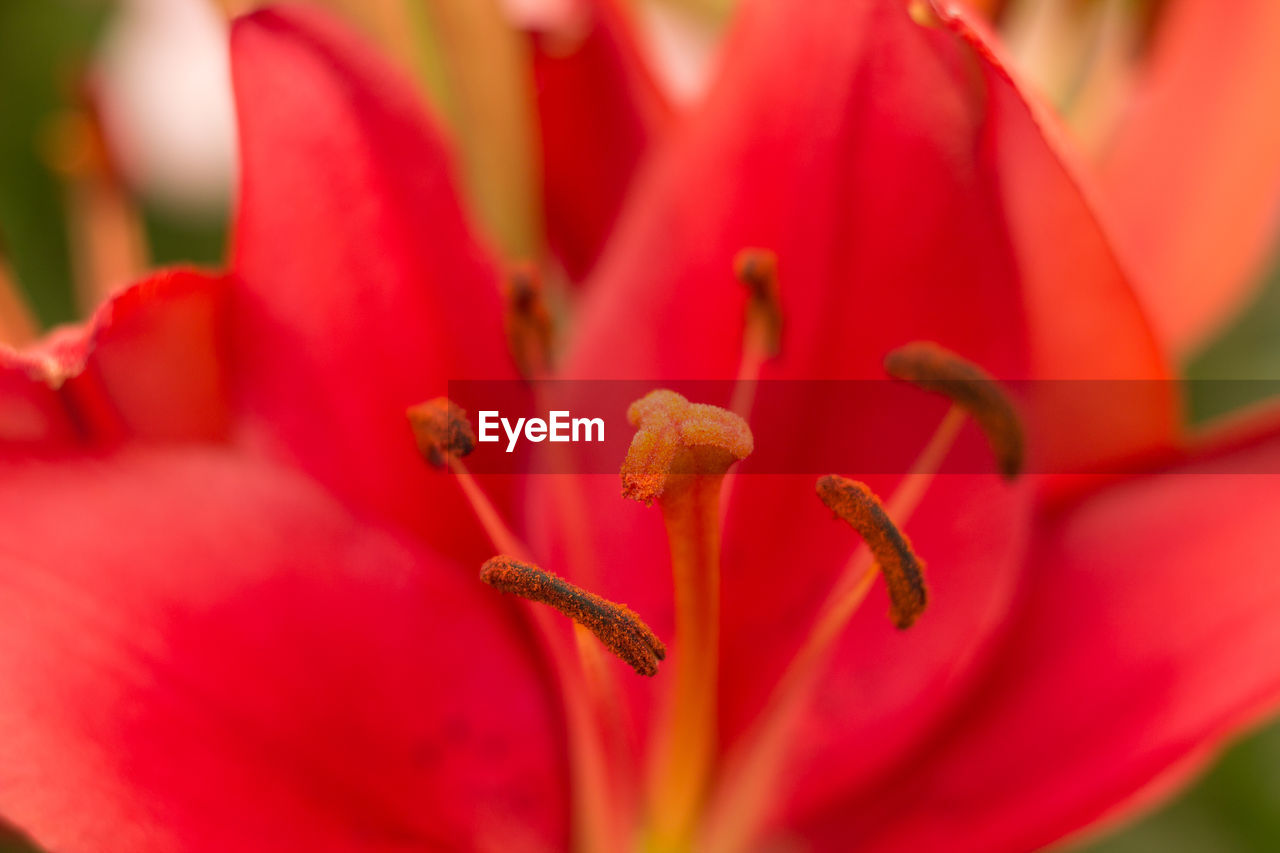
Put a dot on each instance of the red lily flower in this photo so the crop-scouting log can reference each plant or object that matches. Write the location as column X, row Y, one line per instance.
column 241, row 614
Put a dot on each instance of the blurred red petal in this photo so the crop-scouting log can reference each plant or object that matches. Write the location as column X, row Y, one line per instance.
column 1194, row 169
column 600, row 112
column 909, row 192
column 200, row 653
column 360, row 289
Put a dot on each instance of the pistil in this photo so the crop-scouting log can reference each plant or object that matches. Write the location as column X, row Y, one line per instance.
column 679, row 457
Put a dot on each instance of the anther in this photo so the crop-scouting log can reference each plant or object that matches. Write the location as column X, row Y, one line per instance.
column 757, row 269
column 934, row 368
column 527, row 322
column 902, row 570
column 441, row 430
column 616, row 625
column 676, row 437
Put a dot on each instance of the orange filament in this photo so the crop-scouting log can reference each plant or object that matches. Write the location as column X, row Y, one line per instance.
column 675, row 438
column 441, row 430
column 616, row 625
column 527, row 321
column 902, row 570
column 934, row 368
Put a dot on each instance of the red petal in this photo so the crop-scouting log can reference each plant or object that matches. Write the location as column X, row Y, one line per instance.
column 907, row 197
column 1146, row 636
column 1194, row 169
column 148, row 365
column 600, row 112
column 910, row 194
column 197, row 653
column 361, row 290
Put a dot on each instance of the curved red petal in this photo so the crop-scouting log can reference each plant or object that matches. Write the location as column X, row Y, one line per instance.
column 1193, row 170
column 359, row 289
column 148, row 365
column 200, row 653
column 1145, row 637
column 910, row 193
column 600, row 112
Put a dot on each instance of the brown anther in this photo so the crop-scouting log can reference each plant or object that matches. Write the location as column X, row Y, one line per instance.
column 527, row 321
column 616, row 625
column 903, row 572
column 934, row 368
column 757, row 269
column 676, row 437
column 442, row 430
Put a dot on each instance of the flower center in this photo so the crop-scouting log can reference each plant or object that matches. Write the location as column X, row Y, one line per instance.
column 678, row 459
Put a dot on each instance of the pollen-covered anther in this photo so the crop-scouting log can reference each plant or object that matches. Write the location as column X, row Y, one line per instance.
column 526, row 321
column 616, row 625
column 441, row 430
column 757, row 269
column 675, row 437
column 934, row 368
column 903, row 572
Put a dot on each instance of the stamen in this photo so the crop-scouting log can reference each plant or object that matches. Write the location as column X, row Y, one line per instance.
column 933, row 368
column 441, row 430
column 108, row 240
column 527, row 321
column 741, row 802
column 757, row 269
column 902, row 570
column 616, row 625
column 675, row 437
column 584, row 688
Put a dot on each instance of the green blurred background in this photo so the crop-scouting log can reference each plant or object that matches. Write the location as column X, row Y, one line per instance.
column 1234, row 807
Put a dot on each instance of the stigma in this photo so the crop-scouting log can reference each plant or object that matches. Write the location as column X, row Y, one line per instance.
column 615, row 625
column 675, row 437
